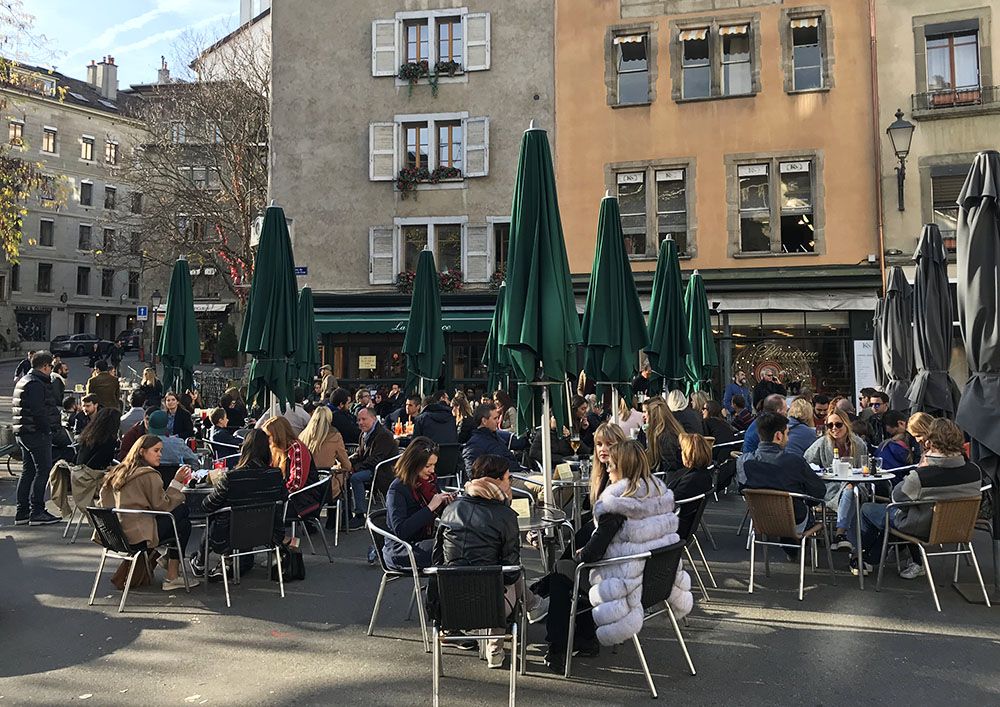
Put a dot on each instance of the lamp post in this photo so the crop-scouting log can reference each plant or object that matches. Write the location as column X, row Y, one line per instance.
column 156, row 299
column 900, row 134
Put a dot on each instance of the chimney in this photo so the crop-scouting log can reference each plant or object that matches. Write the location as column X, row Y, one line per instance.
column 92, row 73
column 163, row 74
column 107, row 78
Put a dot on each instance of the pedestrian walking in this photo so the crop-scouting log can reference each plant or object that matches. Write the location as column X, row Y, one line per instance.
column 35, row 415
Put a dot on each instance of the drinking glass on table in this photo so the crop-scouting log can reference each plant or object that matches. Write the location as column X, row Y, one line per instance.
column 574, row 442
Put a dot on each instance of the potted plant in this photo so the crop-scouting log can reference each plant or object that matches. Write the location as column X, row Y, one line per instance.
column 444, row 172
column 497, row 278
column 409, row 177
column 447, row 68
column 227, row 345
column 404, row 281
column 450, row 280
column 413, row 71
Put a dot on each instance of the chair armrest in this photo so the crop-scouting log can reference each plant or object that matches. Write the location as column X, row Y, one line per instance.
column 906, row 504
column 693, row 499
column 612, row 561
column 389, row 536
column 137, row 511
column 806, row 497
column 503, row 568
column 307, row 487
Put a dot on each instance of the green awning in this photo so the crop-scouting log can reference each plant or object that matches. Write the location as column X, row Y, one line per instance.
column 395, row 322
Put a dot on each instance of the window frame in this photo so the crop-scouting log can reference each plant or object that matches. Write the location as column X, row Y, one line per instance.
column 134, row 281
column 87, row 141
column 107, row 282
column 826, row 47
column 623, row 178
column 400, row 125
column 52, row 233
column 952, row 64
column 38, row 278
column 749, row 62
column 15, row 126
column 450, row 125
column 432, row 223
column 416, row 23
column 715, row 54
column 110, row 197
column 83, row 271
column 90, row 201
column 492, row 222
column 619, row 72
column 611, row 55
column 47, row 132
column 90, row 237
column 111, row 152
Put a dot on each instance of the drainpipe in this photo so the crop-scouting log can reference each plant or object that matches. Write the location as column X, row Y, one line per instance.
column 877, row 143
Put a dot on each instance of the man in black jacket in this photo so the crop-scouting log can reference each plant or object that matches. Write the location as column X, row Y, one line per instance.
column 436, row 420
column 23, row 367
column 376, row 445
column 406, row 414
column 35, row 416
column 485, row 440
column 343, row 420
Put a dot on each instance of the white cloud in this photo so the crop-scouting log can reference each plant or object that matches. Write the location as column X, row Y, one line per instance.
column 167, row 35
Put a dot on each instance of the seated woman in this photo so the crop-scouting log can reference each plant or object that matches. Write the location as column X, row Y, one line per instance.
column 562, row 450
column 293, row 459
column 693, row 480
column 715, row 424
column 629, row 419
column 98, row 442
column 801, row 427
column 839, row 496
column 663, row 451
column 179, row 420
column 412, row 502
column 136, row 484
column 252, row 481
column 224, row 443
column 328, row 450
column 633, row 514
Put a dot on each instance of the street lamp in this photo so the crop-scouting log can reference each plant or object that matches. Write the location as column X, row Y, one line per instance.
column 156, row 299
column 900, row 134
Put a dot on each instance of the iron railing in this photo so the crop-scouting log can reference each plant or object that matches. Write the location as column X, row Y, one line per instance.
column 956, row 97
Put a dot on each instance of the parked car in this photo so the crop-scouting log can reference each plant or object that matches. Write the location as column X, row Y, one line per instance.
column 78, row 345
column 130, row 339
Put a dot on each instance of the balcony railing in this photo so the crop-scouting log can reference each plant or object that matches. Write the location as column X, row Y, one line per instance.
column 957, row 97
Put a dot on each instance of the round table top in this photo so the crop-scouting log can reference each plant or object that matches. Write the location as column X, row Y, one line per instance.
column 540, row 518
column 572, row 483
column 200, row 488
column 854, row 476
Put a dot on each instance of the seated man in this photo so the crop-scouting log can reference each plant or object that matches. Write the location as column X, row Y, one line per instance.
column 175, row 451
column 485, row 440
column 942, row 475
column 772, row 403
column 479, row 528
column 771, row 467
column 377, row 445
column 135, row 412
column 436, row 420
column 132, row 434
column 342, row 419
column 224, row 443
column 406, row 414
column 742, row 417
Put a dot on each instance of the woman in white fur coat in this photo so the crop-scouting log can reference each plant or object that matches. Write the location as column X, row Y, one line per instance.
column 633, row 514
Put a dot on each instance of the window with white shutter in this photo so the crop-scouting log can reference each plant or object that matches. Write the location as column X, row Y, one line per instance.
column 382, row 255
column 477, row 147
column 477, row 41
column 476, row 253
column 383, row 152
column 385, row 48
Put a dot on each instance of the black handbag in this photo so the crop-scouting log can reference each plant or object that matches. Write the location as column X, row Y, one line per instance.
column 293, row 567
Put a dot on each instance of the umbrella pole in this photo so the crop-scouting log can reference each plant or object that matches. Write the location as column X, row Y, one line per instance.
column 546, row 445
column 615, row 405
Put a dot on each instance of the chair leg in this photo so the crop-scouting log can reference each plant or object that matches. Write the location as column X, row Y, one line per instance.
column 409, row 608
column 753, row 547
column 281, row 575
column 305, row 529
column 697, row 574
column 572, row 630
column 645, row 667
column 767, row 559
column 378, row 602
column 708, row 533
column 79, row 522
column 69, row 522
column 704, row 561
column 513, row 667
column 225, row 578
column 680, row 638
column 750, row 530
column 97, row 577
column 322, row 536
column 802, row 566
column 523, row 647
column 979, row 575
column 829, row 553
column 746, row 517
column 336, row 524
column 958, row 548
column 814, row 555
column 435, row 667
column 128, row 582
column 881, row 561
column 930, row 577
column 421, row 614
column 184, row 572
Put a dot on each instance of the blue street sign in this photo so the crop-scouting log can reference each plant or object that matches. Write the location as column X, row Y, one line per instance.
column 141, row 313
column 301, row 270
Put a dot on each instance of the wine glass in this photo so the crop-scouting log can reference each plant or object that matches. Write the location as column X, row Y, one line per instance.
column 574, row 442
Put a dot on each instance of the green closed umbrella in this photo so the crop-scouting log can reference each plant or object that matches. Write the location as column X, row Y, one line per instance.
column 496, row 358
column 540, row 326
column 703, row 357
column 178, row 346
column 668, row 335
column 614, row 329
column 306, row 351
column 423, row 345
column 270, row 323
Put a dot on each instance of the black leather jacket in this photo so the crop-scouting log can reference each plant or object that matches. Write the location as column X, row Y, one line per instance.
column 478, row 531
column 34, row 407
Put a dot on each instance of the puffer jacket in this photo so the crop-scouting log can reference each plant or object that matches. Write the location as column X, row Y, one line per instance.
column 436, row 422
column 616, row 590
column 34, row 407
column 478, row 529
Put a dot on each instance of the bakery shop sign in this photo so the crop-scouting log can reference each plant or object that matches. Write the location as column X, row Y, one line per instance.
column 789, row 363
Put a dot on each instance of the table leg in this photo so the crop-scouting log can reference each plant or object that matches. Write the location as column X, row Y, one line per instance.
column 857, row 529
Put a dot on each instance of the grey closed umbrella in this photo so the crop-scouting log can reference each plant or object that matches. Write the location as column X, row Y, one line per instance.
column 932, row 391
column 979, row 319
column 897, row 338
column 877, row 344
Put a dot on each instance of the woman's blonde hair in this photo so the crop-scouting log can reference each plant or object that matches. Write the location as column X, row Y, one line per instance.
column 317, row 430
column 119, row 475
column 462, row 403
column 696, row 452
column 676, row 401
column 802, row 410
column 611, row 434
column 852, row 446
column 919, row 424
column 148, row 377
column 699, row 399
column 630, row 462
column 280, row 435
column 661, row 421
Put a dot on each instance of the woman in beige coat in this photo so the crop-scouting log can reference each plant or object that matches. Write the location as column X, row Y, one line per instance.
column 326, row 445
column 136, row 484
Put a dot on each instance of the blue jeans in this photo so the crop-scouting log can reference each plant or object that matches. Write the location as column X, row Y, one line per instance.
column 36, row 454
column 846, row 515
column 359, row 479
column 872, row 529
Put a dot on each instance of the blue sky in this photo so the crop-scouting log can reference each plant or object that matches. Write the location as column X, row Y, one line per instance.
column 135, row 32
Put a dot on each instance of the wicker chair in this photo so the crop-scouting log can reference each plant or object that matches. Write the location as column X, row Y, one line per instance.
column 773, row 516
column 952, row 522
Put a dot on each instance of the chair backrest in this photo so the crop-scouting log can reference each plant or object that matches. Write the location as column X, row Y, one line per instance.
column 449, row 461
column 658, row 575
column 249, row 487
column 167, row 473
column 692, row 508
column 772, row 512
column 954, row 521
column 381, row 480
column 379, row 519
column 252, row 526
column 109, row 530
column 470, row 598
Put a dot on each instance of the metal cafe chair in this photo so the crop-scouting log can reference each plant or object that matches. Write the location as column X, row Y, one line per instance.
column 952, row 522
column 657, row 583
column 381, row 479
column 111, row 537
column 324, row 485
column 379, row 531
column 472, row 599
column 772, row 515
column 701, row 500
column 251, row 531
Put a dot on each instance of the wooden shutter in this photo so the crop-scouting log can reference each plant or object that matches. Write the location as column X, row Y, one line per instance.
column 385, row 48
column 382, row 255
column 477, row 147
column 477, row 41
column 383, row 152
column 476, row 253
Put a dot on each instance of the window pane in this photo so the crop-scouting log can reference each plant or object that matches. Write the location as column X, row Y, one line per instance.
column 414, row 241
column 632, row 204
column 753, row 192
column 417, row 39
column 938, row 67
column 670, row 196
column 755, row 232
column 697, row 82
column 805, row 36
column 966, row 65
column 86, row 194
column 448, row 244
column 633, row 87
column 450, row 39
column 501, row 239
column 450, row 144
column 696, row 52
column 796, row 190
column 416, row 144
column 736, row 79
column 807, row 78
column 736, row 48
column 632, row 56
column 797, row 233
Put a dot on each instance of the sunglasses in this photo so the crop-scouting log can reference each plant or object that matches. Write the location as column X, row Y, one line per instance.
column 834, row 425
column 876, row 405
